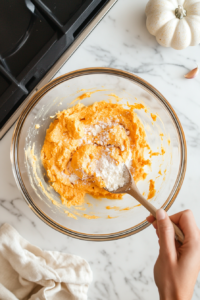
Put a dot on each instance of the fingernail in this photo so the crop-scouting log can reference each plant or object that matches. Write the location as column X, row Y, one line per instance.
column 160, row 214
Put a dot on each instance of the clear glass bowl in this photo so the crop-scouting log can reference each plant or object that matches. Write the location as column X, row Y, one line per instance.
column 56, row 96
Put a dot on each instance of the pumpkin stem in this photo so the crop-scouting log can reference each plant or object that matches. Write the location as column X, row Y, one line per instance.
column 180, row 12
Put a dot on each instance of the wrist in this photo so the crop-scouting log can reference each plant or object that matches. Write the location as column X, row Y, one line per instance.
column 174, row 297
column 169, row 296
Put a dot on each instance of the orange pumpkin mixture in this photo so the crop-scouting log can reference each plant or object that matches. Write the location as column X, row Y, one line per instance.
column 77, row 140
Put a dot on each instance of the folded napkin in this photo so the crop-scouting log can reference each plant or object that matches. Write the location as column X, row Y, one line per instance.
column 27, row 272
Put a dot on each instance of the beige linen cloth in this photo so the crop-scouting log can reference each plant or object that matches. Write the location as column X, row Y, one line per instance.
column 28, row 273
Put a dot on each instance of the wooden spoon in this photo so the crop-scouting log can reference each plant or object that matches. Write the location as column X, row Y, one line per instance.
column 131, row 189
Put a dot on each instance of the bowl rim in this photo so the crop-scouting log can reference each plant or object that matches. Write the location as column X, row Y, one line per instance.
column 14, row 153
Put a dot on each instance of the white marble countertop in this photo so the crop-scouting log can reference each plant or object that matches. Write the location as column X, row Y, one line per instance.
column 122, row 269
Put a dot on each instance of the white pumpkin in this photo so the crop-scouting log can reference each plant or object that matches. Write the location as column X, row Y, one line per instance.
column 175, row 23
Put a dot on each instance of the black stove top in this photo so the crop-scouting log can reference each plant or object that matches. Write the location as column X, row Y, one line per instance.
column 34, row 35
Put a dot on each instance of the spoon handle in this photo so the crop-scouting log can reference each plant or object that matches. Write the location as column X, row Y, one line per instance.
column 151, row 208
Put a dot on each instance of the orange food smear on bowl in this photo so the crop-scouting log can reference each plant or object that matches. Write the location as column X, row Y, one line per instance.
column 85, row 95
column 161, row 136
column 117, row 99
column 157, row 153
column 109, row 217
column 113, row 207
column 154, row 117
column 126, row 208
column 162, row 151
column 70, row 215
column 152, row 190
column 90, row 217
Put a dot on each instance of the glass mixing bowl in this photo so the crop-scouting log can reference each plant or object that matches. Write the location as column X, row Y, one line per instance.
column 57, row 95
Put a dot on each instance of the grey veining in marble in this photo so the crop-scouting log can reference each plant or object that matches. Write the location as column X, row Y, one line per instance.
column 122, row 269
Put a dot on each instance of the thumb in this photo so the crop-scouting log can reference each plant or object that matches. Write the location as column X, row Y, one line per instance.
column 166, row 235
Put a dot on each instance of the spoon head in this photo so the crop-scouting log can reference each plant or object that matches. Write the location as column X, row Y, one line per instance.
column 127, row 185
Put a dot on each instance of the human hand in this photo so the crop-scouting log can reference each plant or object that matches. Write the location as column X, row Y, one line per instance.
column 177, row 266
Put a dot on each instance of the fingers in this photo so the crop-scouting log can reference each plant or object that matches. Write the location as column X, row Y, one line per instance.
column 150, row 219
column 166, row 236
column 186, row 222
column 165, row 233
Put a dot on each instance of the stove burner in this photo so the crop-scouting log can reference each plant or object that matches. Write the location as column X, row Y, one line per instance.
column 23, row 37
column 63, row 11
column 12, row 32
column 33, row 36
